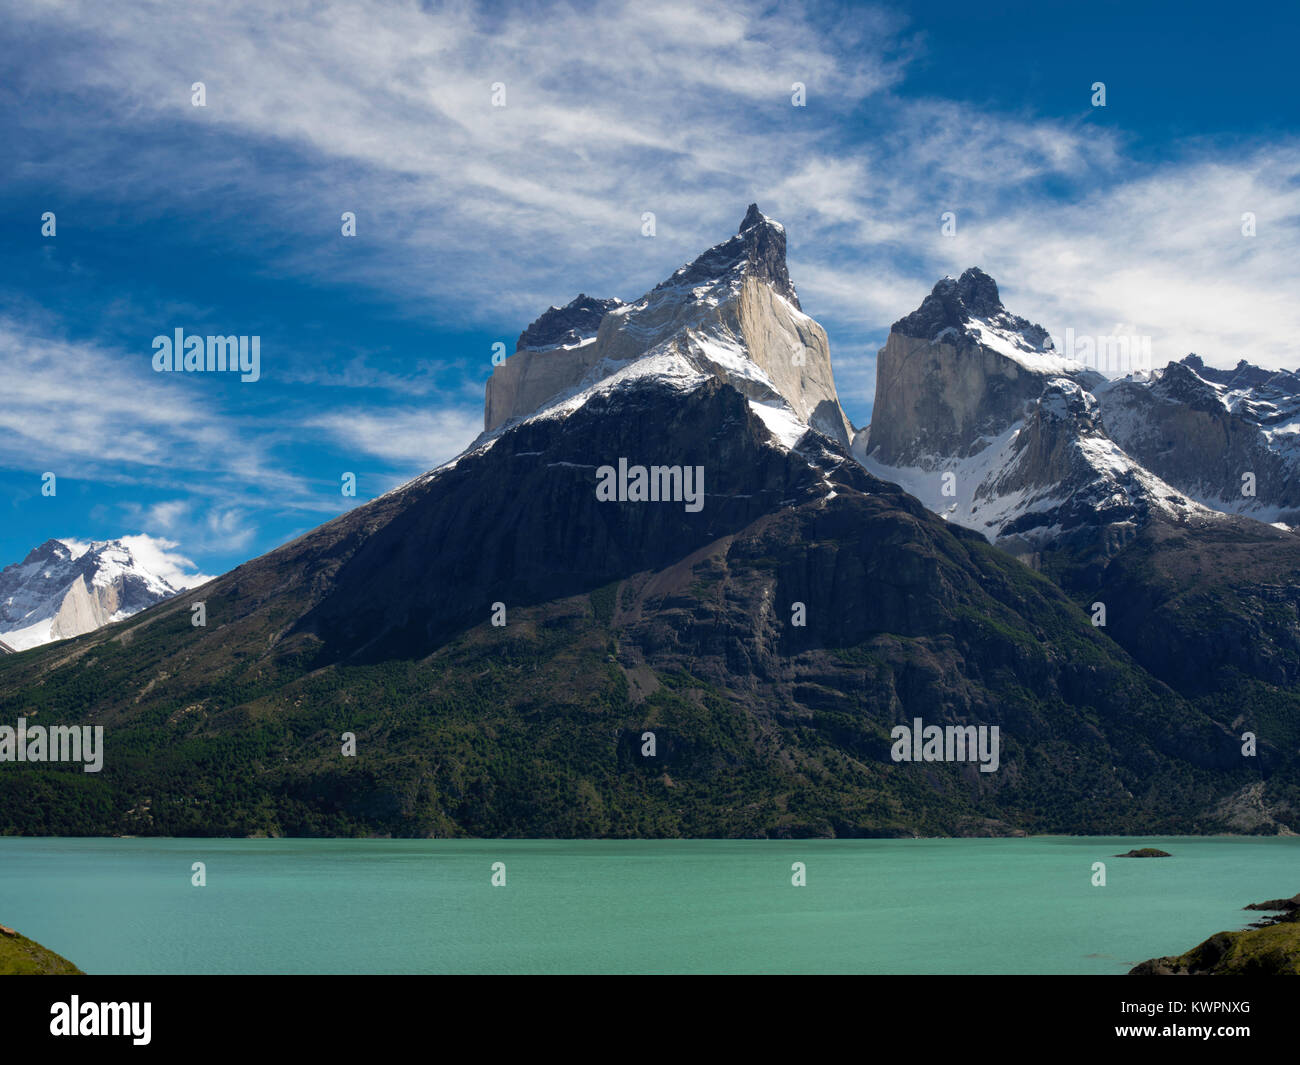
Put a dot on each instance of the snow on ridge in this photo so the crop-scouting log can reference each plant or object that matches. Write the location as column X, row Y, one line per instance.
column 1013, row 346
column 982, row 503
column 84, row 585
column 667, row 367
column 728, row 352
column 781, row 422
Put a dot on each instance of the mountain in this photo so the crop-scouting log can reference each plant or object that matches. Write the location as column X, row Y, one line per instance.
column 1205, row 429
column 980, row 419
column 675, row 541
column 65, row 588
column 1121, row 491
column 732, row 313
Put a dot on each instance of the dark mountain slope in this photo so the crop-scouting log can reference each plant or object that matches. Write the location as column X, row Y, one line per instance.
column 622, row 618
column 770, row 639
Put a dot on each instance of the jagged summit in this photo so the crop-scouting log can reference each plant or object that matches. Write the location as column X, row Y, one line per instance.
column 1201, row 429
column 50, row 551
column 67, row 587
column 955, row 375
column 755, row 217
column 1042, row 450
column 969, row 390
column 757, row 249
column 564, row 326
column 1245, row 375
column 730, row 313
column 969, row 308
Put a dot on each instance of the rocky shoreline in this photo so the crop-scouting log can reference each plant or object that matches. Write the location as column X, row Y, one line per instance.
column 1267, row 948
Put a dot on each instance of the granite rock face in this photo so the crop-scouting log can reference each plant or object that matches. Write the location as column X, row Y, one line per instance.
column 63, row 589
column 551, row 356
column 1205, row 430
column 733, row 312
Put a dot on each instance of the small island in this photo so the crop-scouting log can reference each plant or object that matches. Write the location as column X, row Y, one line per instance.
column 20, row 956
column 1146, row 852
column 1268, row 948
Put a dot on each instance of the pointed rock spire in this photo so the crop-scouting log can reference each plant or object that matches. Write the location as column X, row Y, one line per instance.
column 954, row 302
column 758, row 249
column 753, row 216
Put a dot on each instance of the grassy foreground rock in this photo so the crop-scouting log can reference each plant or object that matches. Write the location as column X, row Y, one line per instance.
column 20, row 956
column 1270, row 950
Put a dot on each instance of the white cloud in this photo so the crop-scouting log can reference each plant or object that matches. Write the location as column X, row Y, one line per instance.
column 81, row 409
column 1163, row 255
column 160, row 557
column 385, row 109
column 479, row 216
column 414, row 439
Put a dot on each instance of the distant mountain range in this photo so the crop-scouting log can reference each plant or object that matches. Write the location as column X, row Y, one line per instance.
column 979, row 418
column 65, row 588
column 517, row 655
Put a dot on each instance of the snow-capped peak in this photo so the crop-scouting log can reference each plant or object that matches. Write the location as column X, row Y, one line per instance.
column 732, row 313
column 757, row 250
column 969, row 309
column 755, row 217
column 67, row 587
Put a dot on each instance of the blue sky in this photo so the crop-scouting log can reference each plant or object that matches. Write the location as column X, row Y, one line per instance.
column 472, row 219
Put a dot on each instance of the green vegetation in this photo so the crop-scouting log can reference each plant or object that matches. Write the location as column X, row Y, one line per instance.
column 1273, row 950
column 19, row 956
column 535, row 729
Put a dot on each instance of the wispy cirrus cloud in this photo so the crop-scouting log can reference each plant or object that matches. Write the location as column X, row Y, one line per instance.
column 386, row 110
column 684, row 110
column 471, row 216
column 100, row 412
column 417, row 439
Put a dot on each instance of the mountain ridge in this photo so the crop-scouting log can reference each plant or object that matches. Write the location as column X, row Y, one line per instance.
column 731, row 312
column 64, row 588
column 498, row 639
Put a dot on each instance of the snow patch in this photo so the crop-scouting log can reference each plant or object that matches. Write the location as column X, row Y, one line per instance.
column 782, row 422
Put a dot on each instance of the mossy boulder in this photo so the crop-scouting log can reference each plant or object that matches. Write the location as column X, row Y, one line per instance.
column 20, row 956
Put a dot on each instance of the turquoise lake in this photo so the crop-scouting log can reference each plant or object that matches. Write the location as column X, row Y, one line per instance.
column 703, row 906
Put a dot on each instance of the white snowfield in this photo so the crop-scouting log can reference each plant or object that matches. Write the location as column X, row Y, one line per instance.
column 68, row 587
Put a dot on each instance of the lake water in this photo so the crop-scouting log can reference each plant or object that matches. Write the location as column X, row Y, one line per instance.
column 428, row 906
